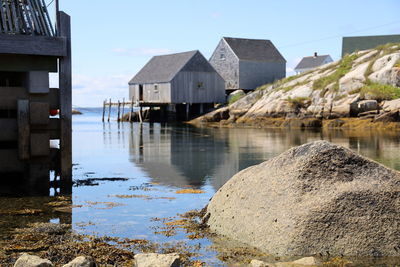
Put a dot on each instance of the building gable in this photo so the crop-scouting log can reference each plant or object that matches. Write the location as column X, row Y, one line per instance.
column 358, row 43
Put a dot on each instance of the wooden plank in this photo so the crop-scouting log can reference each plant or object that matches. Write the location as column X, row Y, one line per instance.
column 65, row 74
column 38, row 82
column 9, row 97
column 23, row 129
column 40, row 144
column 9, row 161
column 9, row 130
column 24, row 63
column 53, row 128
column 39, row 113
column 33, row 45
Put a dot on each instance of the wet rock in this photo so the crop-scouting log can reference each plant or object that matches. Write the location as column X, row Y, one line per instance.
column 216, row 115
column 336, row 123
column 393, row 116
column 317, row 198
column 257, row 263
column 308, row 261
column 159, row 260
column 82, row 261
column 27, row 260
column 367, row 105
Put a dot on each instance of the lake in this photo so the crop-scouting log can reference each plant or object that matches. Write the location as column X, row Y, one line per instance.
column 128, row 174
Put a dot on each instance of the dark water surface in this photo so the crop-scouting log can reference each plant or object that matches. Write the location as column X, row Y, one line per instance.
column 156, row 160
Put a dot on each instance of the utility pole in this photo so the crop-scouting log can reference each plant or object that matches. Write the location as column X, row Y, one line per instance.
column 57, row 9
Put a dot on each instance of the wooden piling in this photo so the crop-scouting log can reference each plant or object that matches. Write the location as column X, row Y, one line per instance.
column 119, row 111
column 104, row 109
column 109, row 110
column 123, row 109
column 130, row 113
column 23, row 129
column 140, row 115
column 65, row 82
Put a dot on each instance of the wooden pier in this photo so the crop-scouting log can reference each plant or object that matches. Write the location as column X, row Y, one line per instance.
column 34, row 141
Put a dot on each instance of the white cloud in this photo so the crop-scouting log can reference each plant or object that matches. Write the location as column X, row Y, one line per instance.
column 91, row 91
column 142, row 51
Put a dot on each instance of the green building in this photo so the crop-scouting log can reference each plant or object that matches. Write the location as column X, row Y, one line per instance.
column 356, row 43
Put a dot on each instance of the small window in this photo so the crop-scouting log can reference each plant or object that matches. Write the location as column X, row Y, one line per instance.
column 222, row 56
column 200, row 85
column 156, row 88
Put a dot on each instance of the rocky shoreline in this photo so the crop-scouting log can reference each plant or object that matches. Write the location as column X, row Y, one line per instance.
column 364, row 85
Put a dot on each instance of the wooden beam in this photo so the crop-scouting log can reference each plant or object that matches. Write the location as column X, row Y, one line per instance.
column 10, row 95
column 9, row 130
column 33, row 45
column 65, row 76
column 23, row 130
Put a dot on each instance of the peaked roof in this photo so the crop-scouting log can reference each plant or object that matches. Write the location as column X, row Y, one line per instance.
column 163, row 68
column 311, row 62
column 254, row 49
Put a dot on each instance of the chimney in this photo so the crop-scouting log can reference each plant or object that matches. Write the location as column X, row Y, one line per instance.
column 315, row 54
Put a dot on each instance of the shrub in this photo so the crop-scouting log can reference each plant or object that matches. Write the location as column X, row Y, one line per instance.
column 344, row 67
column 299, row 102
column 380, row 92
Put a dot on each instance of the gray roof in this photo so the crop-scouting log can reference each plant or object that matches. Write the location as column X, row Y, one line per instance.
column 254, row 49
column 311, row 62
column 163, row 68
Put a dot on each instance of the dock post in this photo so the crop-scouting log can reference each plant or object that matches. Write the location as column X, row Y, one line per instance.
column 109, row 110
column 140, row 115
column 187, row 111
column 104, row 109
column 130, row 113
column 119, row 111
column 65, row 83
column 123, row 109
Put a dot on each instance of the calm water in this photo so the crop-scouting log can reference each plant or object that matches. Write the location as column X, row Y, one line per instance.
column 167, row 158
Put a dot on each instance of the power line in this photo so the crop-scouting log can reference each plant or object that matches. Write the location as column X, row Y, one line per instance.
column 340, row 35
column 50, row 3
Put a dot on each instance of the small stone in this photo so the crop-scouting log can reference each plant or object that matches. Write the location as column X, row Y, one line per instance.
column 308, row 261
column 26, row 260
column 159, row 260
column 82, row 261
column 258, row 263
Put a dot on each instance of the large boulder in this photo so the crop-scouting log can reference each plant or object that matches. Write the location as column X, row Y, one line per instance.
column 26, row 260
column 317, row 198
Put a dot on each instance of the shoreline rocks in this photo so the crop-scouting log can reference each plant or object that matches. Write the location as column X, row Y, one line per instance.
column 315, row 199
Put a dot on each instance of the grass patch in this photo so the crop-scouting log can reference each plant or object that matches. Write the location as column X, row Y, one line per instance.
column 380, row 92
column 344, row 67
column 235, row 98
column 263, row 87
column 355, row 91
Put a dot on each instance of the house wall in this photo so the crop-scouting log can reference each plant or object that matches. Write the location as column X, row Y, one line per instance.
column 253, row 74
column 197, row 87
column 228, row 66
column 152, row 92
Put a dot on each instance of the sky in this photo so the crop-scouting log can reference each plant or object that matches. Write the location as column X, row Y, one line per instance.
column 113, row 40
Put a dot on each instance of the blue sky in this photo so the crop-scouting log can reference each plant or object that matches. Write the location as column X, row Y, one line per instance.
column 112, row 40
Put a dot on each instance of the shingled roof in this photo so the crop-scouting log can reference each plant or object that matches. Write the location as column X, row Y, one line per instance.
column 163, row 68
column 254, row 49
column 311, row 62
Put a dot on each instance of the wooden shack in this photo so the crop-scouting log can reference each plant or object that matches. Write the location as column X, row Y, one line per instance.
column 30, row 49
column 180, row 83
column 247, row 63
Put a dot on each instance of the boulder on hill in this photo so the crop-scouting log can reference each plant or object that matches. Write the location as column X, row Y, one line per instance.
column 317, row 198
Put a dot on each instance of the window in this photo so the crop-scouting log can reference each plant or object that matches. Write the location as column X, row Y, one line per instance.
column 156, row 88
column 222, row 56
column 200, row 85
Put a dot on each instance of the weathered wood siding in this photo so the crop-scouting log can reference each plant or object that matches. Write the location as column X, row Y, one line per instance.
column 253, row 74
column 226, row 64
column 197, row 87
column 152, row 92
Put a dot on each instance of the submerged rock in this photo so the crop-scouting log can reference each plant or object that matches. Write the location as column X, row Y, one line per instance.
column 26, row 260
column 317, row 198
column 159, row 260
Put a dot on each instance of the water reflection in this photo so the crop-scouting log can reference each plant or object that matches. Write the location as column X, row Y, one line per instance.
column 186, row 156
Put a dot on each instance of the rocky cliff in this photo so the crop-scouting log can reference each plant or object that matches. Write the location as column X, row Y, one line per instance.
column 364, row 84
